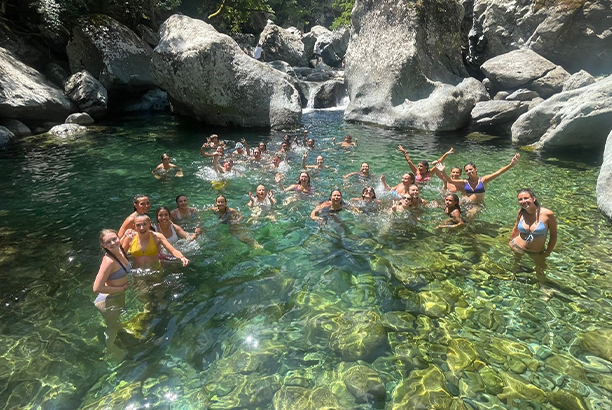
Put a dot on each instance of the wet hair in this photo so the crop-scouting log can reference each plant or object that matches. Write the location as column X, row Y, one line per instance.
column 426, row 164
column 142, row 216
column 214, row 136
column 161, row 208
column 456, row 199
column 137, row 198
column 363, row 191
column 164, row 155
column 105, row 232
column 470, row 164
column 411, row 176
column 332, row 192
column 265, row 147
column 177, row 198
column 347, row 136
column 221, row 196
column 277, row 156
column 535, row 201
column 459, row 168
column 286, row 138
column 304, row 172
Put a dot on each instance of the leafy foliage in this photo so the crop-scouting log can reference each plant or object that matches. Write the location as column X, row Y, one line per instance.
column 344, row 20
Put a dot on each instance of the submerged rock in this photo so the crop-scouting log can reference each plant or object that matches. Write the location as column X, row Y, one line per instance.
column 5, row 135
column 299, row 398
column 424, row 389
column 209, row 77
column 572, row 119
column 418, row 85
column 111, row 52
column 357, row 334
column 363, row 383
column 598, row 343
column 25, row 94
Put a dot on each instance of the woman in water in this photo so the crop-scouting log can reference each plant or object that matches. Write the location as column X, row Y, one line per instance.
column 165, row 167
column 533, row 224
column 453, row 210
column 421, row 171
column 473, row 188
column 171, row 231
column 111, row 283
column 302, row 187
column 262, row 202
column 367, row 203
column 347, row 143
column 408, row 201
column 400, row 189
column 331, row 207
column 183, row 211
column 225, row 213
column 144, row 245
column 142, row 205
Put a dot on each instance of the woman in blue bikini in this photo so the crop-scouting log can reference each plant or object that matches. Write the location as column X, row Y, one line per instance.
column 473, row 188
column 533, row 224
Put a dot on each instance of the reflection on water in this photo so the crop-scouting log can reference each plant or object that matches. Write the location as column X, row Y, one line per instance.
column 376, row 311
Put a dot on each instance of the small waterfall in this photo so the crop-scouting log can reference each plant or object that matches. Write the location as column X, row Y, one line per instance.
column 312, row 93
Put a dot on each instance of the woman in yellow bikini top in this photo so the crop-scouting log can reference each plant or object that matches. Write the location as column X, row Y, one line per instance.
column 143, row 238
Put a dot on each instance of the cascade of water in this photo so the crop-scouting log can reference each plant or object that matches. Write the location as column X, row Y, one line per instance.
column 312, row 92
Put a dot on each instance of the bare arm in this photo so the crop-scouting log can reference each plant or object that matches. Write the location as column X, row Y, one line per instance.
column 351, row 174
column 490, row 177
column 383, row 180
column 216, row 165
column 104, row 272
column 127, row 224
column 552, row 228
column 160, row 238
column 443, row 157
column 407, row 158
column 314, row 215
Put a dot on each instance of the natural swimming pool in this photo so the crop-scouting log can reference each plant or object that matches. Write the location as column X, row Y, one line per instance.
column 324, row 313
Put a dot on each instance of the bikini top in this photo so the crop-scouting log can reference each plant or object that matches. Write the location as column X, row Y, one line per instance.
column 151, row 250
column 480, row 189
column 121, row 272
column 419, row 178
column 540, row 231
column 172, row 239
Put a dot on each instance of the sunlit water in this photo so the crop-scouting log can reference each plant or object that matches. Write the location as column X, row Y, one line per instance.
column 376, row 312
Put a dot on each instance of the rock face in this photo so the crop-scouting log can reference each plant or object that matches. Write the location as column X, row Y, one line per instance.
column 26, row 94
column 578, row 80
column 414, row 85
column 88, row 93
column 280, row 44
column 497, row 115
column 329, row 94
column 579, row 118
column 333, row 46
column 111, row 52
column 5, row 135
column 80, row 118
column 575, row 35
column 604, row 180
column 209, row 77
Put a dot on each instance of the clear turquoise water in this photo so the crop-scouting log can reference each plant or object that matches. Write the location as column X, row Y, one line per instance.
column 437, row 318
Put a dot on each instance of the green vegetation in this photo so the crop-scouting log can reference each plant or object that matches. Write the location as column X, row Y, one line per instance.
column 344, row 20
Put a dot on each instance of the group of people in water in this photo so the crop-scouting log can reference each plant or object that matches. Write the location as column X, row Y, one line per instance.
column 139, row 243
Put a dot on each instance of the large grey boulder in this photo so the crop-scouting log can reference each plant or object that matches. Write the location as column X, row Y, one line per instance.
column 496, row 115
column 333, row 46
column 604, row 180
column 26, row 94
column 209, row 77
column 280, row 44
column 87, row 93
column 18, row 128
column 575, row 35
column 111, row 52
column 329, row 94
column 578, row 80
column 516, row 69
column 79, row 118
column 309, row 39
column 5, row 135
column 413, row 85
column 579, row 118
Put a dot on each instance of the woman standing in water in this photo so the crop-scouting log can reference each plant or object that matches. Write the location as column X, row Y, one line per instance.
column 473, row 188
column 533, row 225
column 144, row 245
column 171, row 231
column 142, row 205
column 368, row 203
column 302, row 187
column 165, row 167
column 111, row 284
column 331, row 207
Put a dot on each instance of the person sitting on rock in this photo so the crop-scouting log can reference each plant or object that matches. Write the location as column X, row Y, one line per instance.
column 259, row 53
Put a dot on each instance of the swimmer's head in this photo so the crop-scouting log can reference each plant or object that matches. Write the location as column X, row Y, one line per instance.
column 413, row 191
column 365, row 168
column 142, row 223
column 162, row 214
column 221, row 202
column 423, row 166
column 320, row 160
column 455, row 172
column 408, row 178
column 368, row 192
column 181, row 200
column 165, row 157
column 108, row 238
column 335, row 195
column 142, row 204
column 451, row 201
column 304, row 177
